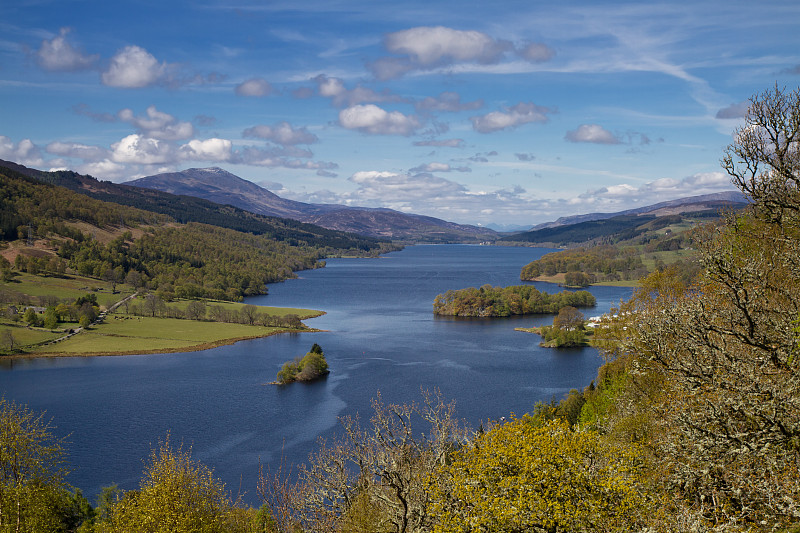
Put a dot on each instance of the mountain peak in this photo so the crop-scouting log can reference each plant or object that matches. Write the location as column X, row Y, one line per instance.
column 220, row 186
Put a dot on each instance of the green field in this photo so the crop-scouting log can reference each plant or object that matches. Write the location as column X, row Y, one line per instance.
column 126, row 335
column 237, row 306
column 121, row 333
column 26, row 336
column 68, row 287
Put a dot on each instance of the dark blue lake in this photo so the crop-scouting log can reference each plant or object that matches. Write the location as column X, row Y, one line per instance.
column 381, row 336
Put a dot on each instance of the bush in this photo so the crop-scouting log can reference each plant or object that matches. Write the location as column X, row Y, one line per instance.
column 312, row 366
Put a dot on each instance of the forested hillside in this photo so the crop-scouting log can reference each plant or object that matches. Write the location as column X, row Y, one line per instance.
column 53, row 225
column 185, row 209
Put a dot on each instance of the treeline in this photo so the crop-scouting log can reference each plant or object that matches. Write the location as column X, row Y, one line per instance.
column 598, row 263
column 192, row 261
column 488, row 301
column 153, row 305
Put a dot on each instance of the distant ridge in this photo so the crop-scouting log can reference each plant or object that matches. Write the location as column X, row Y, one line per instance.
column 669, row 207
column 221, row 186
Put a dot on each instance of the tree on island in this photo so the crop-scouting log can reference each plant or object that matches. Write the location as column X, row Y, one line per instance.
column 312, row 366
column 567, row 330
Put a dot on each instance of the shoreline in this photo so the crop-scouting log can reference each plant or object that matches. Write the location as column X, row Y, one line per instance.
column 195, row 348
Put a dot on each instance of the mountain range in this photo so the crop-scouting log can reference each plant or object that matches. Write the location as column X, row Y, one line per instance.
column 223, row 187
column 689, row 204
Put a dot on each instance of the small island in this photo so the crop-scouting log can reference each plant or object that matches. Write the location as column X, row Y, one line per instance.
column 488, row 301
column 311, row 367
column 568, row 330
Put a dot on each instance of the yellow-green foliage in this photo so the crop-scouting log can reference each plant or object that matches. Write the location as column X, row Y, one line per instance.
column 523, row 477
column 312, row 366
column 177, row 495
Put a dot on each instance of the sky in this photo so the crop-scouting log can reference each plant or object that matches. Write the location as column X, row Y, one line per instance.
column 505, row 112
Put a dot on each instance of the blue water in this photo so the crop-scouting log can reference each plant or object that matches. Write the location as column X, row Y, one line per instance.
column 380, row 335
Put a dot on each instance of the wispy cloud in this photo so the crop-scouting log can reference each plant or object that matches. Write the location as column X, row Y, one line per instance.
column 58, row 54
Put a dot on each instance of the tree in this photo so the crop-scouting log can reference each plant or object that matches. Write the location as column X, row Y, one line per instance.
column 50, row 318
column 764, row 161
column 31, row 318
column 525, row 477
column 725, row 349
column 7, row 339
column 32, row 470
column 177, row 494
column 249, row 313
column 569, row 318
column 374, row 477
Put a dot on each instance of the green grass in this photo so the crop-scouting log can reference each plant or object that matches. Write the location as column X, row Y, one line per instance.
column 147, row 335
column 24, row 336
column 69, row 287
column 237, row 306
column 120, row 333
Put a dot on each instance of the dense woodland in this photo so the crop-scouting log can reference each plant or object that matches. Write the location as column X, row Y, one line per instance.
column 693, row 422
column 626, row 260
column 193, row 260
column 488, row 301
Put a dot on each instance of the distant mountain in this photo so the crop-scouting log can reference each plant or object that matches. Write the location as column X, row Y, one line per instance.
column 223, row 187
column 609, row 228
column 670, row 207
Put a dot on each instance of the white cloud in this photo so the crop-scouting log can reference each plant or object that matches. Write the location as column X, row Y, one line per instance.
column 281, row 133
column 592, row 133
column 213, row 149
column 157, row 124
column 24, row 152
column 341, row 96
column 432, row 46
column 77, row 150
column 517, row 115
column 141, row 150
column 58, row 54
column 447, row 101
column 439, row 167
column 627, row 195
column 398, row 190
column 537, row 52
column 372, row 119
column 254, row 87
column 104, row 169
column 134, row 67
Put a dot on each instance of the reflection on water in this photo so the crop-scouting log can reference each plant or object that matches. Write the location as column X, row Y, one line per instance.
column 381, row 336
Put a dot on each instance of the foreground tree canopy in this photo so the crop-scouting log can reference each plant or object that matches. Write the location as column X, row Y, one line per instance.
column 723, row 350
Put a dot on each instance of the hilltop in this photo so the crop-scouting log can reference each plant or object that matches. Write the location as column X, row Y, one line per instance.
column 223, row 187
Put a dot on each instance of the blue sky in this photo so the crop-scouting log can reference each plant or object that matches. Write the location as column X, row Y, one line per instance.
column 509, row 112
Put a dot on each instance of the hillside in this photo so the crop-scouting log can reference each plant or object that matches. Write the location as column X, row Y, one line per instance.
column 220, row 186
column 49, row 230
column 184, row 209
column 623, row 226
column 703, row 202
